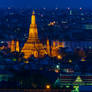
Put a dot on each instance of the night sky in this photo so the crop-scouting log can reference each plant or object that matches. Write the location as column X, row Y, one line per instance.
column 46, row 3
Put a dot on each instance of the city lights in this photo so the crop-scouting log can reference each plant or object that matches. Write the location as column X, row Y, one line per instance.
column 52, row 53
column 83, row 59
column 70, row 61
column 56, row 70
column 52, row 23
column 58, row 66
column 48, row 86
column 59, row 57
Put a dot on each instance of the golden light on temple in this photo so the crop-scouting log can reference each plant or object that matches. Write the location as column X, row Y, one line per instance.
column 53, row 50
column 17, row 46
column 1, row 48
column 56, row 70
column 48, row 48
column 33, row 46
column 12, row 46
column 61, row 44
column 33, row 18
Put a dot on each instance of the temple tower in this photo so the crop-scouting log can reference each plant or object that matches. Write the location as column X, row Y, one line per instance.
column 48, row 48
column 12, row 46
column 33, row 45
column 17, row 46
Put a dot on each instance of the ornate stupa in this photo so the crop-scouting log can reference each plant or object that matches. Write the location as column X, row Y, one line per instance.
column 33, row 46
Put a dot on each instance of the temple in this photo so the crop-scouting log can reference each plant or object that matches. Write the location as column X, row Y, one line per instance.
column 33, row 46
column 14, row 46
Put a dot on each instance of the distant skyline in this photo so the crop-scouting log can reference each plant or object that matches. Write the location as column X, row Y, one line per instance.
column 46, row 3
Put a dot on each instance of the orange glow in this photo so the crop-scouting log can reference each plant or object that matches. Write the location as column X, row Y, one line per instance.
column 48, row 86
column 59, row 57
column 1, row 48
column 52, row 23
column 36, row 54
column 33, row 18
column 48, row 47
column 54, row 50
column 56, row 70
column 17, row 46
column 33, row 45
column 83, row 60
column 12, row 46
column 61, row 44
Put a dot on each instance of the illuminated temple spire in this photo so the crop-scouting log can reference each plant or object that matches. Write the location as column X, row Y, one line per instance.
column 33, row 45
column 12, row 46
column 33, row 18
column 17, row 46
column 48, row 48
column 33, row 33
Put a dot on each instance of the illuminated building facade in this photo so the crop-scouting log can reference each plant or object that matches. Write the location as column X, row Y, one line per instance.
column 17, row 46
column 74, row 81
column 14, row 46
column 53, row 50
column 48, row 48
column 33, row 45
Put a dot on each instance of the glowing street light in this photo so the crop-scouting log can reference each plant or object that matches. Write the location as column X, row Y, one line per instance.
column 59, row 57
column 70, row 61
column 80, row 8
column 57, row 66
column 48, row 86
column 56, row 70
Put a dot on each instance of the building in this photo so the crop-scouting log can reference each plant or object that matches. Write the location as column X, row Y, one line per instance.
column 14, row 46
column 74, row 80
column 33, row 46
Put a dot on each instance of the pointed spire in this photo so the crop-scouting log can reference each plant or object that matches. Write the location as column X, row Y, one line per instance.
column 33, row 18
column 33, row 13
